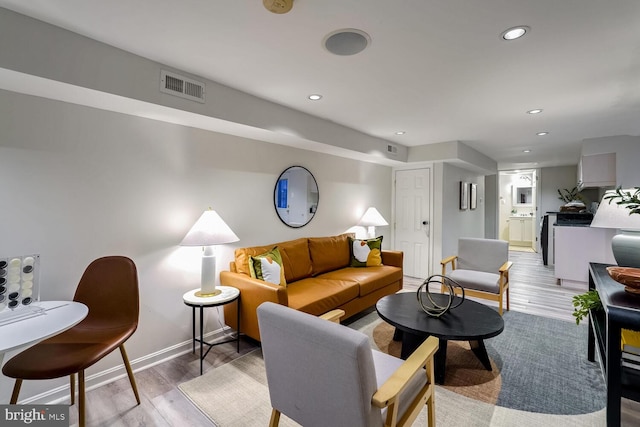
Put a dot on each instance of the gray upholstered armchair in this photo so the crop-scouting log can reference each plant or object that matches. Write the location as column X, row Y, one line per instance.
column 324, row 374
column 482, row 268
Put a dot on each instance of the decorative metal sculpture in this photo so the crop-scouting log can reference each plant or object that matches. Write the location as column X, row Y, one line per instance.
column 434, row 309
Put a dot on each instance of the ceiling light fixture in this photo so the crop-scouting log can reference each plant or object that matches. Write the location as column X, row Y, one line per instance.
column 278, row 6
column 514, row 33
column 400, row 132
column 542, row 133
column 535, row 111
column 315, row 97
column 526, row 151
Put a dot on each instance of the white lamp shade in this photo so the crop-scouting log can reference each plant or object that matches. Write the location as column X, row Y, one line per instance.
column 209, row 230
column 612, row 215
column 372, row 218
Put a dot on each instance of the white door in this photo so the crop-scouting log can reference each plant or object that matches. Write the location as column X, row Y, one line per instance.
column 412, row 220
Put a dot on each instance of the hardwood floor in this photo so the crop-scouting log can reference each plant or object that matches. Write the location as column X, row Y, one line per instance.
column 533, row 290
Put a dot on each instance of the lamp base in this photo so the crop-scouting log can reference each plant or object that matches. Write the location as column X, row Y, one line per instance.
column 626, row 248
column 207, row 295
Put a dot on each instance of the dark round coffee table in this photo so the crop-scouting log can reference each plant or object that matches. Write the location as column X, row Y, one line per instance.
column 471, row 321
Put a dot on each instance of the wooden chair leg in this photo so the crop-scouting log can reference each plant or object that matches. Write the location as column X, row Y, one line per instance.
column 16, row 391
column 507, row 299
column 132, row 380
column 73, row 388
column 275, row 418
column 81, row 398
column 431, row 411
column 431, row 402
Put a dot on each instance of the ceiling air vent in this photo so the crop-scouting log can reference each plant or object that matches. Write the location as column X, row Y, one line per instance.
column 392, row 149
column 175, row 84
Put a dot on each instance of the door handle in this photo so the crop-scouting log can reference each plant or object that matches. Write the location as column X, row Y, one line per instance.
column 426, row 227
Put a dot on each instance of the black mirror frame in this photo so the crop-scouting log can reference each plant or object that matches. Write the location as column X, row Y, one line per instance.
column 275, row 193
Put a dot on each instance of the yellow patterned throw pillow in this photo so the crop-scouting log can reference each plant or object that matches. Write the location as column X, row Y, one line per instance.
column 268, row 267
column 366, row 253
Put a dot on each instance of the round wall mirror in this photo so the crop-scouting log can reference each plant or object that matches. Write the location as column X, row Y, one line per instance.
column 296, row 196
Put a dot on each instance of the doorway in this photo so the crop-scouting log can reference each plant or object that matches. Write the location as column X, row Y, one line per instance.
column 517, row 209
column 413, row 221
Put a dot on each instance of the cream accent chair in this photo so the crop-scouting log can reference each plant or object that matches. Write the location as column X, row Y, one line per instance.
column 322, row 374
column 482, row 268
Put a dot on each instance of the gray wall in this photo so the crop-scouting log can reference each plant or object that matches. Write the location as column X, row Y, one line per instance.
column 458, row 223
column 550, row 180
column 80, row 183
column 491, row 206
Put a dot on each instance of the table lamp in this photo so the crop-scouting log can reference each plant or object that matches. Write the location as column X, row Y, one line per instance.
column 208, row 231
column 371, row 219
column 626, row 245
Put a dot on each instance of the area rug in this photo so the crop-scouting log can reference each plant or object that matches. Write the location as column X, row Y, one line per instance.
column 539, row 365
column 540, row 377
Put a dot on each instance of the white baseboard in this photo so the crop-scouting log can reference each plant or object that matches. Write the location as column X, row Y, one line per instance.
column 61, row 394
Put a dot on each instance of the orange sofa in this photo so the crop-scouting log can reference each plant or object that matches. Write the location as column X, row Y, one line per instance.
column 319, row 279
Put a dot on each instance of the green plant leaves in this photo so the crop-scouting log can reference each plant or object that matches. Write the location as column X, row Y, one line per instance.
column 584, row 302
column 569, row 195
column 631, row 200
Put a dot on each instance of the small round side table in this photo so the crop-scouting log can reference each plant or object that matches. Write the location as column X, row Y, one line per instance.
column 228, row 295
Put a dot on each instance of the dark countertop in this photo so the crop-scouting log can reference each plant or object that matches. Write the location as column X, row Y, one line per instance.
column 555, row 224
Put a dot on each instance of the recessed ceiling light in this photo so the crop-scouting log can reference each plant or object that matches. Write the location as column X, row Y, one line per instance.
column 526, row 151
column 400, row 132
column 315, row 97
column 535, row 111
column 515, row 32
column 542, row 133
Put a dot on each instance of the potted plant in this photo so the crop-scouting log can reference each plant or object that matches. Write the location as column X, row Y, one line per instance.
column 584, row 302
column 568, row 196
column 573, row 200
column 591, row 300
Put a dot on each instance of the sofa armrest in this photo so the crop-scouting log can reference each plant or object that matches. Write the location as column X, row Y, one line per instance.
column 253, row 292
column 393, row 258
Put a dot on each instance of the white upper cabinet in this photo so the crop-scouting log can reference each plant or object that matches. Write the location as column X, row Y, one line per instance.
column 597, row 170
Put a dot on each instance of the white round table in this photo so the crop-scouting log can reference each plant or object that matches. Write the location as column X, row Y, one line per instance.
column 228, row 294
column 56, row 316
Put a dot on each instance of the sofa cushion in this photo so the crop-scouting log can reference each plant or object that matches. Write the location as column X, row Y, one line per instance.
column 329, row 253
column 368, row 279
column 294, row 253
column 366, row 253
column 268, row 267
column 296, row 259
column 478, row 280
column 317, row 296
column 243, row 257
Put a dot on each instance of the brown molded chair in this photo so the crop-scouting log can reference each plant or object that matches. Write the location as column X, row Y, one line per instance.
column 109, row 287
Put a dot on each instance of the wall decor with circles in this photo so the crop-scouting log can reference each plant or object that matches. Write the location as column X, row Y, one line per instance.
column 19, row 281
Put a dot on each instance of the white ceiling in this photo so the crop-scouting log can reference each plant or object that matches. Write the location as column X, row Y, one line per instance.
column 436, row 69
